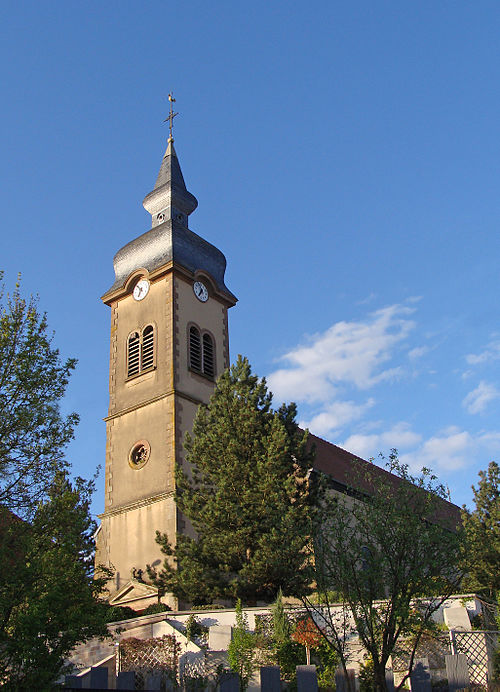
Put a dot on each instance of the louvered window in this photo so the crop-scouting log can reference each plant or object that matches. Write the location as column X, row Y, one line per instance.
column 208, row 356
column 133, row 353
column 148, row 346
column 195, row 349
column 141, row 351
column 201, row 352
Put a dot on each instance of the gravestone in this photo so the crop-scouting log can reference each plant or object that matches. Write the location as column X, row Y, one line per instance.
column 457, row 672
column 270, row 679
column 307, row 680
column 421, row 676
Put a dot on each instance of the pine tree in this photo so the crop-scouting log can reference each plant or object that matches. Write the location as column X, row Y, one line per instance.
column 482, row 530
column 247, row 493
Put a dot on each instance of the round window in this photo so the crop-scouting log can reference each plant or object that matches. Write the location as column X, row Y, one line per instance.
column 139, row 454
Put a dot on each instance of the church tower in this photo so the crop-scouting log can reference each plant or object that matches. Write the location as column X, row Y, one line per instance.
column 169, row 343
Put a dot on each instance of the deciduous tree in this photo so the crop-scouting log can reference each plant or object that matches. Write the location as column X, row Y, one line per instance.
column 390, row 555
column 33, row 380
column 49, row 599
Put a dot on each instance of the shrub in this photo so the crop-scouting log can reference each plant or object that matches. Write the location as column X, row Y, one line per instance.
column 156, row 608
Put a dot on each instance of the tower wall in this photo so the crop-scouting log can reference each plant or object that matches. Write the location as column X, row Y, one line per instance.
column 152, row 407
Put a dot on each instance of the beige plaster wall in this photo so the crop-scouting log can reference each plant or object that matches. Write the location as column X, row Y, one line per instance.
column 211, row 316
column 158, row 406
column 130, row 315
column 154, row 423
column 130, row 537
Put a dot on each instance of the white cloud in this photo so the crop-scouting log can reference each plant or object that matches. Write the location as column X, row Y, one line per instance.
column 400, row 436
column 490, row 440
column 418, row 352
column 335, row 416
column 477, row 400
column 449, row 449
column 491, row 352
column 347, row 353
column 370, row 298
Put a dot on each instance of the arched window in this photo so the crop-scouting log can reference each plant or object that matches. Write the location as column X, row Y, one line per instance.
column 141, row 351
column 201, row 352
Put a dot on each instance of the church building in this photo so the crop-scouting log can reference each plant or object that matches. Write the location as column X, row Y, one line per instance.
column 168, row 344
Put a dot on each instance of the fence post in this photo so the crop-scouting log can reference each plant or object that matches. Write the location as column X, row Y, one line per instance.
column 453, row 644
column 125, row 680
column 98, row 678
column 457, row 672
column 270, row 679
column 229, row 682
column 340, row 684
column 389, row 679
column 307, row 680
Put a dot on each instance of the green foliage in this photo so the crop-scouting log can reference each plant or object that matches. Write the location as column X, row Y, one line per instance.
column 117, row 613
column 242, row 649
column 367, row 675
column 482, row 532
column 49, row 600
column 156, row 608
column 281, row 626
column 327, row 661
column 289, row 655
column 248, row 498
column 194, row 628
column 384, row 552
column 33, row 380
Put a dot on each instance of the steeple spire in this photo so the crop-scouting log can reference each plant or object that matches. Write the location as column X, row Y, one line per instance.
column 170, row 199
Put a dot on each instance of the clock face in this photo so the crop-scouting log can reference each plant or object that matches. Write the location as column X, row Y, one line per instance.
column 141, row 289
column 200, row 291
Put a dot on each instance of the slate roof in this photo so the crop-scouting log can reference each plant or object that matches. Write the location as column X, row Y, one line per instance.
column 343, row 467
column 170, row 239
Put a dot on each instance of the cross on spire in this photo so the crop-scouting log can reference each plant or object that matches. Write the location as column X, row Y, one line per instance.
column 171, row 117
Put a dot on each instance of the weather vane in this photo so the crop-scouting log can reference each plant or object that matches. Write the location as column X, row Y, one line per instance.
column 171, row 117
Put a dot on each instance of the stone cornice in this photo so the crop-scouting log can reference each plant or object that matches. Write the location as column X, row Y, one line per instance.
column 165, row 395
column 136, row 504
column 123, row 291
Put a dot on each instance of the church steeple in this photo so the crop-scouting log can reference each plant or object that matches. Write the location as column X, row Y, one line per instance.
column 169, row 343
column 170, row 199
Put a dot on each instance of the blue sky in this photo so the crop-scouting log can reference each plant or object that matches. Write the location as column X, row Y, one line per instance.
column 345, row 157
